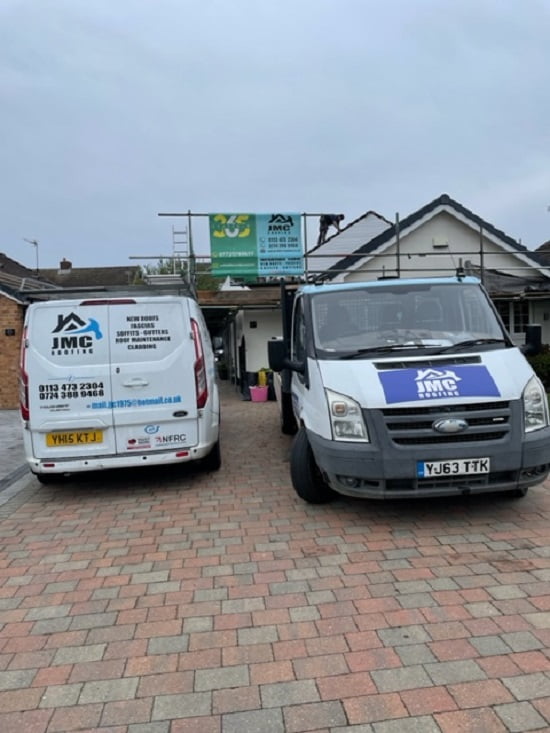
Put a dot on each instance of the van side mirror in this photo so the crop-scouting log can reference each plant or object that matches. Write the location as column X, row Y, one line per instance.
column 278, row 358
column 276, row 354
column 533, row 340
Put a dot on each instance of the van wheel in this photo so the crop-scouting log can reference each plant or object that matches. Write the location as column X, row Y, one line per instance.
column 288, row 422
column 518, row 493
column 213, row 461
column 46, row 479
column 306, row 477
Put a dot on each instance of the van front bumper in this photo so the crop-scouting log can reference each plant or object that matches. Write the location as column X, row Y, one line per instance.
column 365, row 470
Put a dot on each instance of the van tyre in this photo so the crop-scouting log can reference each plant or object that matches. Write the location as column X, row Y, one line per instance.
column 288, row 422
column 213, row 461
column 47, row 479
column 306, row 477
column 518, row 493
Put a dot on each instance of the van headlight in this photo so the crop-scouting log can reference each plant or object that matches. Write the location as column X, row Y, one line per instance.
column 346, row 418
column 535, row 405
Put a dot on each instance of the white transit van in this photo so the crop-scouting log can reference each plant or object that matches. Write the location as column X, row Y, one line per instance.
column 406, row 388
column 117, row 382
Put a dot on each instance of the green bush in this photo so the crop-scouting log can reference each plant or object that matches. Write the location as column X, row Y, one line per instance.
column 541, row 366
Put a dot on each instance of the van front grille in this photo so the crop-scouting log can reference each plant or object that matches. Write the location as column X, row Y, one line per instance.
column 409, row 426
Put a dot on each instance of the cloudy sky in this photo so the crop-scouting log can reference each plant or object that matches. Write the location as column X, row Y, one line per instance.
column 115, row 110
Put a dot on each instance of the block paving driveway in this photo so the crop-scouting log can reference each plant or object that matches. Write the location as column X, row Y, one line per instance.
column 177, row 601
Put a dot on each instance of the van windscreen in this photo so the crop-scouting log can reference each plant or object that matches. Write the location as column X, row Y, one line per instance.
column 411, row 316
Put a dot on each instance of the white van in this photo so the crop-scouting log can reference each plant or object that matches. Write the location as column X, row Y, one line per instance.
column 406, row 388
column 117, row 382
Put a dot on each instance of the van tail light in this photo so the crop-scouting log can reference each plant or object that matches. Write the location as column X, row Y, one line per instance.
column 23, row 378
column 201, row 384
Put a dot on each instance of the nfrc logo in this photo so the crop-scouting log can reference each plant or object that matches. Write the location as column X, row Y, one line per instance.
column 76, row 336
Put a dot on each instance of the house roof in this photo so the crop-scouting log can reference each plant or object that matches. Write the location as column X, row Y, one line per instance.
column 323, row 256
column 16, row 280
column 445, row 203
column 81, row 277
column 12, row 267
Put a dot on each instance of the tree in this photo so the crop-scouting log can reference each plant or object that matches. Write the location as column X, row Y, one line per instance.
column 198, row 272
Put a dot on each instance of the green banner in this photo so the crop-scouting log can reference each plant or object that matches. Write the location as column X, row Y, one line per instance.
column 256, row 245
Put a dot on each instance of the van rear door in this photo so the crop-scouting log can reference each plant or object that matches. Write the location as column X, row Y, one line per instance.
column 154, row 397
column 66, row 361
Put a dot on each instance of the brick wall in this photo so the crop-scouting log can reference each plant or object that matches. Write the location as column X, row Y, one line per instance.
column 11, row 317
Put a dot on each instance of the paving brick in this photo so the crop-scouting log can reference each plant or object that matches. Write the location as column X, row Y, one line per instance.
column 29, row 721
column 80, row 717
column 52, row 676
column 482, row 693
column 18, row 700
column 236, row 699
column 76, row 654
column 168, row 644
column 47, row 612
column 288, row 693
column 423, row 724
column 427, row 700
column 51, row 625
column 92, row 621
column 215, row 679
column 126, row 712
column 448, row 673
column 404, row 678
column 521, row 641
column 211, row 724
column 58, row 696
column 102, row 670
column 529, row 686
column 531, row 661
column 271, row 672
column 14, row 679
column 415, row 634
column 374, row 708
column 256, row 720
column 161, row 727
column 415, row 654
column 108, row 690
column 489, row 645
column 310, row 716
column 521, row 717
column 186, row 705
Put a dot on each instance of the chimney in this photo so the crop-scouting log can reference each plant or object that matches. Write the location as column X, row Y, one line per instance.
column 65, row 265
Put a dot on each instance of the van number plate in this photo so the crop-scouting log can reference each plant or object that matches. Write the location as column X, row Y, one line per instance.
column 79, row 437
column 462, row 467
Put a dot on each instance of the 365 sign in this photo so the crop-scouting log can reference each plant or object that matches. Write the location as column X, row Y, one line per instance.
column 256, row 245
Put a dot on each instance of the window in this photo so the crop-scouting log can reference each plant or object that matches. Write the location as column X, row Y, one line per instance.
column 514, row 314
column 503, row 308
column 520, row 315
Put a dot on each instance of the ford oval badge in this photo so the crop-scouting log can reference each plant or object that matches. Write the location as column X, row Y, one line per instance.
column 450, row 425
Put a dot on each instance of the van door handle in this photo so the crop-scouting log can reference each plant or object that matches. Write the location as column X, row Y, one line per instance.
column 135, row 382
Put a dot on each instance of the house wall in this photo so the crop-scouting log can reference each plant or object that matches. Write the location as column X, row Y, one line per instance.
column 11, row 318
column 421, row 256
column 268, row 326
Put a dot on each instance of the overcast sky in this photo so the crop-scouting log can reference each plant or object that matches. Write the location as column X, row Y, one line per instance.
column 112, row 111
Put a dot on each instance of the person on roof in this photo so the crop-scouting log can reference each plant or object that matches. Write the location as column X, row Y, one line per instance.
column 325, row 222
